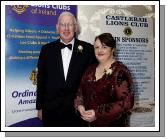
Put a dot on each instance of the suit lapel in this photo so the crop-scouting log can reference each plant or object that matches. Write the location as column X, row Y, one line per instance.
column 60, row 63
column 73, row 61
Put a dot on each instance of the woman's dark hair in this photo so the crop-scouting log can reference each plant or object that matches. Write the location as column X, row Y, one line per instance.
column 107, row 39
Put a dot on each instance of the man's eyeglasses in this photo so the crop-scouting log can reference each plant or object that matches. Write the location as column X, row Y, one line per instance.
column 66, row 24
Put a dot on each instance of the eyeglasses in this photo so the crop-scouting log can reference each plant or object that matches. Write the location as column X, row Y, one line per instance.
column 66, row 24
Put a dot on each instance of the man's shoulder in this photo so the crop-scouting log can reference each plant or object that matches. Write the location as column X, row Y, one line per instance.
column 50, row 44
column 81, row 42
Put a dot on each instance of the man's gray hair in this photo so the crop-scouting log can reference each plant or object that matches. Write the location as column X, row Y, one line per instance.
column 67, row 13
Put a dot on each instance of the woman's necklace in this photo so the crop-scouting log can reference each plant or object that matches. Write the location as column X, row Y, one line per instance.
column 102, row 69
column 107, row 66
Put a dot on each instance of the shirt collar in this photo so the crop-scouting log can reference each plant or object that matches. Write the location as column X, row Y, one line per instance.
column 71, row 42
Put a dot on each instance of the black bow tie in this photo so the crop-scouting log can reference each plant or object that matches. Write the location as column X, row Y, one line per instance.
column 69, row 46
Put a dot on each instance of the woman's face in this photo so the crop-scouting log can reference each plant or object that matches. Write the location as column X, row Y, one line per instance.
column 103, row 53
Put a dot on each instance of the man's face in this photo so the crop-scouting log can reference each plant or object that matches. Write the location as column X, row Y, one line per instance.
column 66, row 28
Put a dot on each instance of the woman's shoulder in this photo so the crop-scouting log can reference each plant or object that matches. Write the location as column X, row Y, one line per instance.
column 92, row 67
column 122, row 71
column 119, row 64
column 89, row 73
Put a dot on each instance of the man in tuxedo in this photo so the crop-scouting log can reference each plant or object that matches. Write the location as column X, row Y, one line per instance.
column 61, row 65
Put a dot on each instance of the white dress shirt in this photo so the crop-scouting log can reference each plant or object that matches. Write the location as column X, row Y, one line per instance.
column 66, row 57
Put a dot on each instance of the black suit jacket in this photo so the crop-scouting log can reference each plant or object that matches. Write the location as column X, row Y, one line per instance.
column 55, row 95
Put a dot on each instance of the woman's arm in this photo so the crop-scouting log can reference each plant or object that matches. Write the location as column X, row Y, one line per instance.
column 124, row 99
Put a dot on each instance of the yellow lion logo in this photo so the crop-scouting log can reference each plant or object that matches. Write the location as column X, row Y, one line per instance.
column 33, row 76
column 19, row 8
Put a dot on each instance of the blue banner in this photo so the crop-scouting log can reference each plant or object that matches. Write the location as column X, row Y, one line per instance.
column 28, row 27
